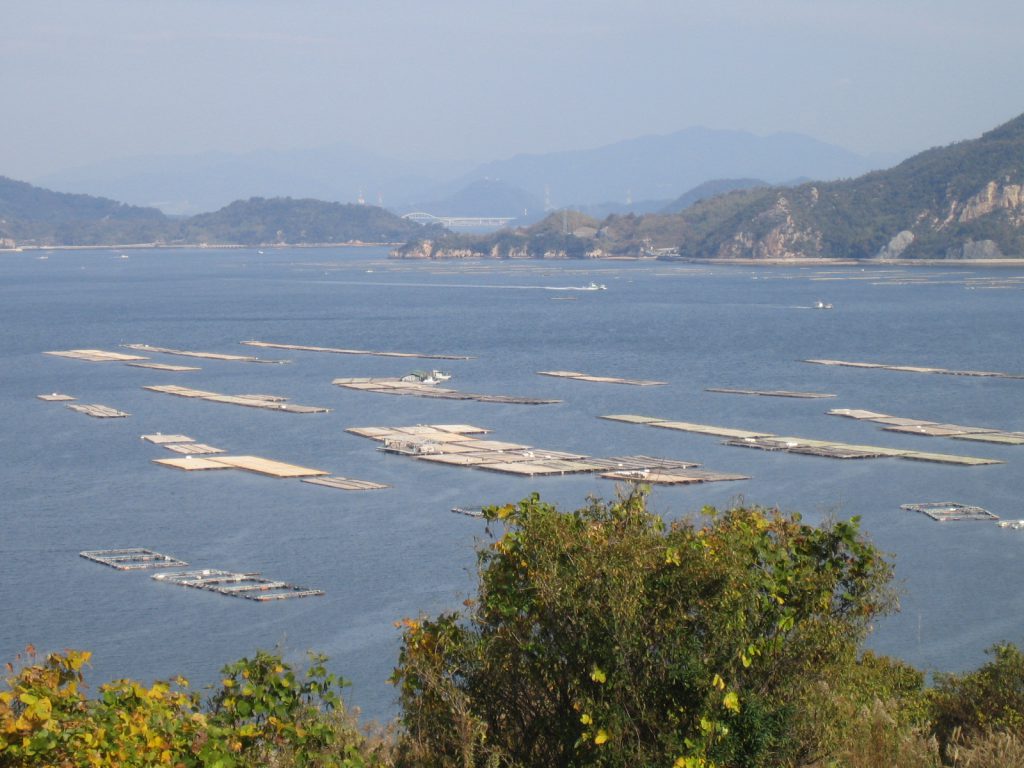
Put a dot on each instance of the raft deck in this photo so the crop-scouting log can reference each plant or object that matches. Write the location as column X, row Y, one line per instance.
column 342, row 351
column 601, row 379
column 395, row 386
column 827, row 448
column 269, row 403
column 435, row 443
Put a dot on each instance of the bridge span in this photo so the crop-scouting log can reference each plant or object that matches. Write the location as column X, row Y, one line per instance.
column 420, row 217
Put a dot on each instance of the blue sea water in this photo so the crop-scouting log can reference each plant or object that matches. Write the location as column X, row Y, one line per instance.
column 72, row 483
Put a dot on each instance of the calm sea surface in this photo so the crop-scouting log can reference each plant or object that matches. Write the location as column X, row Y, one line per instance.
column 71, row 483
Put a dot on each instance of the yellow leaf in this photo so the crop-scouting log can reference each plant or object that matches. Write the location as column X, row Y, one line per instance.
column 602, row 736
column 586, row 719
column 731, row 702
column 597, row 675
column 718, row 682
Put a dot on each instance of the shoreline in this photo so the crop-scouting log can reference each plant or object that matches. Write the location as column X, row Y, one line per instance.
column 798, row 262
column 194, row 246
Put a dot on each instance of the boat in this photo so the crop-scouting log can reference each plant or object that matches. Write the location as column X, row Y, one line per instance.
column 427, row 377
column 822, row 305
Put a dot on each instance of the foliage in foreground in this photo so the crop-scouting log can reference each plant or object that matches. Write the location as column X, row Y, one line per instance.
column 602, row 637
column 261, row 714
column 606, row 637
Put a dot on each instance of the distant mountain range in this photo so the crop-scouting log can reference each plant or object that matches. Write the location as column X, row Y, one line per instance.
column 664, row 167
column 648, row 168
column 965, row 200
column 31, row 215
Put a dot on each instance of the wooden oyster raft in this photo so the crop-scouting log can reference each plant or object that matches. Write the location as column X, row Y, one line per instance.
column 455, row 445
column 828, row 448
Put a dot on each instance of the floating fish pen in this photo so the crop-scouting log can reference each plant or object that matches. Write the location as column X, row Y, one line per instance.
column 932, row 428
column 395, row 386
column 801, row 445
column 945, row 511
column 345, row 483
column 203, row 355
column 132, row 559
column 250, row 586
column 469, row 511
column 165, row 367
column 56, row 397
column 272, row 404
column 770, row 393
column 453, row 445
column 601, row 379
column 341, row 351
column 96, row 356
column 97, row 411
column 919, row 369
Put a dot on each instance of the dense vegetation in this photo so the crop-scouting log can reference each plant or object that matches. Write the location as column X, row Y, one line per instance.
column 961, row 201
column 600, row 637
column 33, row 216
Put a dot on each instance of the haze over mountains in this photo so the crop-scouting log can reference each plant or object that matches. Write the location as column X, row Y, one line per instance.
column 648, row 168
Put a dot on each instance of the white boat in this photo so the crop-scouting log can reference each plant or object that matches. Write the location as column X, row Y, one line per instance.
column 822, row 305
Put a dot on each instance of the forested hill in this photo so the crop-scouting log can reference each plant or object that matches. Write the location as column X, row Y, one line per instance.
column 284, row 220
column 965, row 200
column 31, row 215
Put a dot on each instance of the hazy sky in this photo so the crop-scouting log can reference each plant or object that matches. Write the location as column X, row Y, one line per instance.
column 87, row 80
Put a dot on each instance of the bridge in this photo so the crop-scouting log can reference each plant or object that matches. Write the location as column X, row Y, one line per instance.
column 458, row 221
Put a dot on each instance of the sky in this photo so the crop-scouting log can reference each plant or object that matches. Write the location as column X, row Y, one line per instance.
column 466, row 81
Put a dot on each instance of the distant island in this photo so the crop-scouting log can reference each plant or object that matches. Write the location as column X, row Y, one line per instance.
column 33, row 216
column 963, row 201
column 960, row 202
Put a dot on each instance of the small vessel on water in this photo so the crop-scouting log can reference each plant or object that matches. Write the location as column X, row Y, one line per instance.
column 427, row 377
column 822, row 305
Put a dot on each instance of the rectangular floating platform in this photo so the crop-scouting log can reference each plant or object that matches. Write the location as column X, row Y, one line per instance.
column 269, row 467
column 97, row 411
column 161, row 439
column 56, row 397
column 256, row 464
column 932, row 428
column 769, row 393
column 165, row 367
column 191, row 464
column 429, row 443
column 345, row 483
column 828, row 448
column 919, row 369
column 672, row 477
column 601, row 379
column 192, row 449
column 393, row 386
column 341, row 351
column 203, row 355
column 132, row 559
column 247, row 401
column 250, row 586
column 96, row 356
column 944, row 511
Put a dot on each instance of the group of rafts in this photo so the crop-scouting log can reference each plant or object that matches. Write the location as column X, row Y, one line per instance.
column 461, row 445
